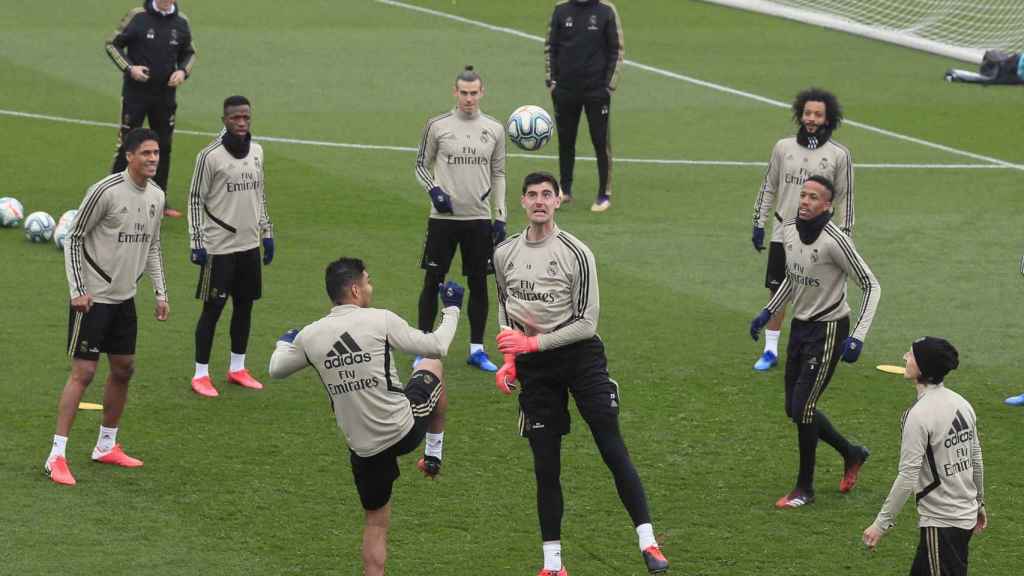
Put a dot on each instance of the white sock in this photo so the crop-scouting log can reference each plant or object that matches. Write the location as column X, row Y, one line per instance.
column 474, row 347
column 108, row 436
column 237, row 362
column 59, row 444
column 201, row 370
column 771, row 341
column 552, row 555
column 435, row 444
column 645, row 532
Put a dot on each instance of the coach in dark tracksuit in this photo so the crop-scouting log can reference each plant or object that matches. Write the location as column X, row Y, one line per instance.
column 153, row 49
column 583, row 57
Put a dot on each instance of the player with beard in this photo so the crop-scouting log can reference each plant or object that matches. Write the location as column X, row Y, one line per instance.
column 812, row 151
column 819, row 259
column 461, row 167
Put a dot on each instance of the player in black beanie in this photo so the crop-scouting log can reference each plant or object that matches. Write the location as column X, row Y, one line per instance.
column 935, row 358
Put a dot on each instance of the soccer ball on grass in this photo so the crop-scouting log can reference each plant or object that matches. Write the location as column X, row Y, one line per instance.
column 64, row 224
column 39, row 227
column 11, row 212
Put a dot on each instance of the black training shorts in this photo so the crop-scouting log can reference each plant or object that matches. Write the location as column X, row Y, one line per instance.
column 375, row 475
column 109, row 328
column 811, row 357
column 941, row 551
column 776, row 271
column 548, row 377
column 238, row 273
column 473, row 237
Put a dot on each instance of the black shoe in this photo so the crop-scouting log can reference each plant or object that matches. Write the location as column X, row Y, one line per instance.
column 851, row 467
column 655, row 560
column 430, row 466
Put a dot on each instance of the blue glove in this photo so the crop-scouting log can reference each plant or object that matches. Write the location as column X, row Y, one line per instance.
column 451, row 294
column 851, row 349
column 441, row 200
column 289, row 336
column 199, row 256
column 758, row 238
column 758, row 323
column 268, row 251
column 499, row 232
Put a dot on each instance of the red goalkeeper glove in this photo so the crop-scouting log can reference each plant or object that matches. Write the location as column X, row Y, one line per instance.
column 505, row 379
column 515, row 342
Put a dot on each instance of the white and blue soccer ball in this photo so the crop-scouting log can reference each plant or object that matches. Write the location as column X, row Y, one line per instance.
column 39, row 227
column 64, row 223
column 11, row 212
column 530, row 127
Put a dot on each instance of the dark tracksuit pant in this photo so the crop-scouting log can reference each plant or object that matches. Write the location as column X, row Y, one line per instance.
column 569, row 105
column 159, row 108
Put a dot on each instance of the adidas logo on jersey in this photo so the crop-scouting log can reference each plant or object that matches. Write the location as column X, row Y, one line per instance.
column 346, row 353
column 959, row 432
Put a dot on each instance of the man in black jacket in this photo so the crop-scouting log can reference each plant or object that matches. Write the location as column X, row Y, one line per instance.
column 583, row 56
column 153, row 49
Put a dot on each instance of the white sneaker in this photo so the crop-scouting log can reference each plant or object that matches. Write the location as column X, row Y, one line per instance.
column 601, row 204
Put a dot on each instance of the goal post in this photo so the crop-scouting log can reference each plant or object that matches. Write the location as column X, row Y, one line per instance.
column 960, row 29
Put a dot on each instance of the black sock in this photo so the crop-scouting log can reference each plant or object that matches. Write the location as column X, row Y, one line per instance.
column 241, row 323
column 807, row 435
column 627, row 481
column 205, row 329
column 547, row 466
column 428, row 301
column 830, row 435
column 477, row 307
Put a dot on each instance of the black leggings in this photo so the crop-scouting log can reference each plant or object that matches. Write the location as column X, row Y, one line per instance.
column 547, row 470
column 477, row 308
column 241, row 323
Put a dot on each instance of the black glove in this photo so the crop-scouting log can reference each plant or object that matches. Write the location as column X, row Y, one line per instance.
column 498, row 232
column 451, row 294
column 268, row 251
column 441, row 200
column 758, row 238
column 198, row 256
column 758, row 323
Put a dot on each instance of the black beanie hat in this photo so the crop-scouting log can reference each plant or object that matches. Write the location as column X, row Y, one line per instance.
column 935, row 357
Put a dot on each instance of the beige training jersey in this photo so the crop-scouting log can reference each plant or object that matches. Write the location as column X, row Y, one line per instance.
column 352, row 349
column 227, row 206
column 940, row 462
column 547, row 288
column 465, row 156
column 114, row 239
column 816, row 276
column 791, row 164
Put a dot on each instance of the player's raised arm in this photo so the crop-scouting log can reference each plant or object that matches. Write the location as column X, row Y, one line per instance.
column 288, row 357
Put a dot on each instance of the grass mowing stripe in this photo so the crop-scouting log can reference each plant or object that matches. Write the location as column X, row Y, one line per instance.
column 652, row 161
column 712, row 86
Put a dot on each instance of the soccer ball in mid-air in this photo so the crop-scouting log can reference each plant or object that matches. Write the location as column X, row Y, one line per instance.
column 11, row 212
column 60, row 233
column 530, row 127
column 39, row 227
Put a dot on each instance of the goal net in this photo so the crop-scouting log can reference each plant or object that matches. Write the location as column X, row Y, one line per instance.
column 961, row 29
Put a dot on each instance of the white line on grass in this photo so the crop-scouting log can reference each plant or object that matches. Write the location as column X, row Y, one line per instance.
column 710, row 85
column 655, row 161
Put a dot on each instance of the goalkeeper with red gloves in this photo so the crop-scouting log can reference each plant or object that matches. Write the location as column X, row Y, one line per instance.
column 548, row 305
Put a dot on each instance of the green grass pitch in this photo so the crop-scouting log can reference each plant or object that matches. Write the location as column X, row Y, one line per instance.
column 258, row 483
